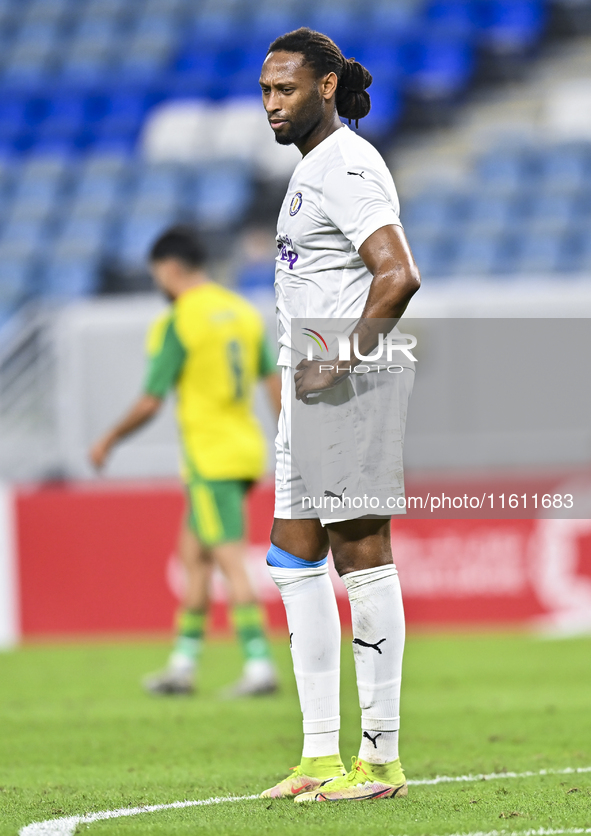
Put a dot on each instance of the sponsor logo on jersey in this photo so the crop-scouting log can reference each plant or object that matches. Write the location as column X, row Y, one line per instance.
column 296, row 204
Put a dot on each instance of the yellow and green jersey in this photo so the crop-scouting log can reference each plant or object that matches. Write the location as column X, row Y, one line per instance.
column 211, row 345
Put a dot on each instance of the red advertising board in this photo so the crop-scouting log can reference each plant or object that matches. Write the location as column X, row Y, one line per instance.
column 100, row 559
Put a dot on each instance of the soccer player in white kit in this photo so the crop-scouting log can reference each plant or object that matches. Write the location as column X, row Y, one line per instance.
column 342, row 255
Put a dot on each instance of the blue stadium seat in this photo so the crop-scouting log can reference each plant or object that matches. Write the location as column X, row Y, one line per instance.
column 552, row 213
column 14, row 282
column 66, row 116
column 505, row 169
column 69, row 278
column 480, row 254
column 21, row 239
column 122, row 115
column 65, row 145
column 540, row 253
column 457, row 16
column 136, row 235
column 386, row 18
column 385, row 113
column 433, row 254
column 383, row 56
column 255, row 276
column 438, row 65
column 337, row 21
column 41, row 11
column 222, row 195
column 566, row 167
column 14, row 118
column 493, row 214
column 432, row 212
column 578, row 249
column 123, row 146
column 509, row 25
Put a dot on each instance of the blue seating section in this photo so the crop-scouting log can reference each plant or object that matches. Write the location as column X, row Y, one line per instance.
column 77, row 78
column 525, row 210
column 61, row 222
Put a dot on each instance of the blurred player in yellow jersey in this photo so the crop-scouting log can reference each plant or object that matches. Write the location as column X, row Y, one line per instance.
column 210, row 346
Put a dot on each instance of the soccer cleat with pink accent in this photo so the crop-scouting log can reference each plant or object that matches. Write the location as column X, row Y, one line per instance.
column 299, row 781
column 365, row 781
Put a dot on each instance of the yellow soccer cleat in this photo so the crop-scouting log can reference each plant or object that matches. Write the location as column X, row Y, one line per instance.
column 365, row 781
column 301, row 780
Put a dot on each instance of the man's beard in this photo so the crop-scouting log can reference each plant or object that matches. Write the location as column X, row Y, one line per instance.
column 307, row 120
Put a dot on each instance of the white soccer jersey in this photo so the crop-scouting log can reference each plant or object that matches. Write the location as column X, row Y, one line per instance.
column 339, row 194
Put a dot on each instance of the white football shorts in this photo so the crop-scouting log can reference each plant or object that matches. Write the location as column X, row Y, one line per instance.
column 340, row 458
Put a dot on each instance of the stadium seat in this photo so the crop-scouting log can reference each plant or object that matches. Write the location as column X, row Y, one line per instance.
column 540, row 253
column 41, row 11
column 456, row 16
column 433, row 253
column 179, row 131
column 509, row 31
column 431, row 212
column 21, row 239
column 505, row 170
column 80, row 237
column 386, row 111
column 14, row 282
column 438, row 65
column 509, row 25
column 66, row 116
column 552, row 213
column 566, row 167
column 492, row 213
column 136, row 236
column 480, row 254
column 68, row 278
column 222, row 196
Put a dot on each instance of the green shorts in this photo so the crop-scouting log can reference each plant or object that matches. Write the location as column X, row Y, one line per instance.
column 216, row 509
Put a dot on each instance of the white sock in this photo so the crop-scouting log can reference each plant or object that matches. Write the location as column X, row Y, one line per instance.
column 315, row 640
column 377, row 616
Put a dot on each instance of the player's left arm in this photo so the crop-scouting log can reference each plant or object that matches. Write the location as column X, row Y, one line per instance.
column 396, row 278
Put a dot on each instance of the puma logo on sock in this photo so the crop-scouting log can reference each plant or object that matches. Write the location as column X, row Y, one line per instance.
column 373, row 739
column 336, row 495
column 365, row 644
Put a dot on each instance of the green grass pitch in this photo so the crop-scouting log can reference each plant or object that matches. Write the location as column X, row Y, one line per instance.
column 77, row 735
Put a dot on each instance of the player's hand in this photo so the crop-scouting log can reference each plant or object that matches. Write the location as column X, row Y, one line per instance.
column 309, row 379
column 99, row 453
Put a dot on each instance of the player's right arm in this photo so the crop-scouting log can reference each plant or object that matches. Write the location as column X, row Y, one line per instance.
column 143, row 410
column 167, row 357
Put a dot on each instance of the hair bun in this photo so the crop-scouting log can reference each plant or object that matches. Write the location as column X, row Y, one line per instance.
column 354, row 76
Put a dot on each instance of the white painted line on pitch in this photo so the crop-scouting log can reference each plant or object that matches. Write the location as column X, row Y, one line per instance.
column 67, row 826
column 542, row 831
column 493, row 776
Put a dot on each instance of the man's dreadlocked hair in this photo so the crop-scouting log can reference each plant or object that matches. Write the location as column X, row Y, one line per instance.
column 325, row 56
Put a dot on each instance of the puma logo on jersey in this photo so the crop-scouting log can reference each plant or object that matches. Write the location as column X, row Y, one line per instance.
column 336, row 495
column 357, row 174
column 375, row 646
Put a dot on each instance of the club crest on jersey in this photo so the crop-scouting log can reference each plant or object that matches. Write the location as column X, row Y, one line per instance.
column 296, row 204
